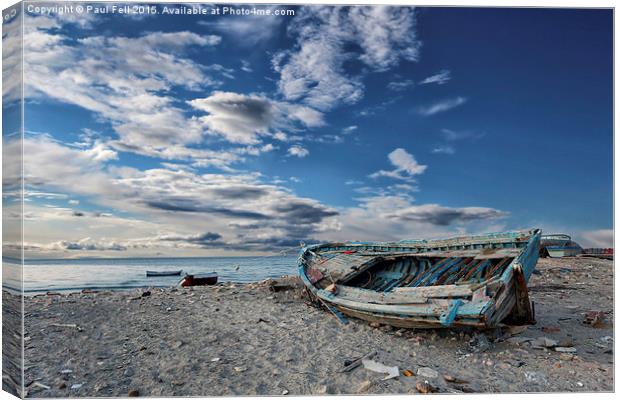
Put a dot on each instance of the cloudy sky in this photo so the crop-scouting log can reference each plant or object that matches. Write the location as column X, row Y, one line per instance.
column 221, row 135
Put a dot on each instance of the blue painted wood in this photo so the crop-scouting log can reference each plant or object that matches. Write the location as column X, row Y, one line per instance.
column 447, row 317
column 437, row 265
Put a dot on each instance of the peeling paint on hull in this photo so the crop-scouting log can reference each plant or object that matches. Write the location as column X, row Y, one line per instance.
column 472, row 281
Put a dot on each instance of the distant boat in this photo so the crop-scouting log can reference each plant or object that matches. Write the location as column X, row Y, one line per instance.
column 209, row 278
column 559, row 245
column 164, row 273
column 467, row 281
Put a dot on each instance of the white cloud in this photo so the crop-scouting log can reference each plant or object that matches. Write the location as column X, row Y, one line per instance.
column 452, row 135
column 167, row 209
column 240, row 118
column 444, row 149
column 121, row 85
column 367, row 220
column 349, row 129
column 298, row 151
column 11, row 58
column 399, row 86
column 313, row 72
column 246, row 30
column 281, row 136
column 101, row 152
column 406, row 166
column 440, row 78
column 442, row 106
column 167, row 197
column 601, row 238
column 246, row 66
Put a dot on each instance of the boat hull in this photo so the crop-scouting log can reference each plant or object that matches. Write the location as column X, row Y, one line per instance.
column 163, row 273
column 559, row 245
column 557, row 252
column 199, row 280
column 461, row 282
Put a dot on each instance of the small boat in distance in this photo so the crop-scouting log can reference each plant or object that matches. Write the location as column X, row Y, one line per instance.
column 558, row 245
column 164, row 273
column 209, row 278
column 467, row 281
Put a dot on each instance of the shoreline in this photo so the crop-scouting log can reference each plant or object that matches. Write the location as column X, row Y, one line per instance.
column 246, row 339
column 114, row 289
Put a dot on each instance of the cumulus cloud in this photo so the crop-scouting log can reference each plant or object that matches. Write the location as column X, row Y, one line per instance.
column 444, row 216
column 440, row 78
column 442, row 106
column 240, row 118
column 406, row 166
column 201, row 239
column 171, row 197
column 129, row 89
column 407, row 220
column 87, row 245
column 313, row 71
column 298, row 151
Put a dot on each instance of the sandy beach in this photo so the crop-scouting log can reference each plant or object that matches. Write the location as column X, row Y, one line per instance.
column 249, row 340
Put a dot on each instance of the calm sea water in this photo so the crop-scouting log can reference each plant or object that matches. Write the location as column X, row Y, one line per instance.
column 100, row 274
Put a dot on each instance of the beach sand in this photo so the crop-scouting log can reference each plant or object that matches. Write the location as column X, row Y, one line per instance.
column 247, row 340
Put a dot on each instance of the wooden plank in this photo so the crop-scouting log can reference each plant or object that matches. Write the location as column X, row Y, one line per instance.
column 411, row 322
column 436, row 291
column 372, row 296
column 432, row 308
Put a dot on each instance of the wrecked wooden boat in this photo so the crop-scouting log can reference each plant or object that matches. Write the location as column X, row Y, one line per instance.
column 469, row 281
column 559, row 245
column 163, row 273
column 209, row 278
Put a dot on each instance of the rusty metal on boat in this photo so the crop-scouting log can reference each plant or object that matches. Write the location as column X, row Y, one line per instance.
column 467, row 281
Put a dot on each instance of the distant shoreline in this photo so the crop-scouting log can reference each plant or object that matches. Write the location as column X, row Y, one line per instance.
column 18, row 261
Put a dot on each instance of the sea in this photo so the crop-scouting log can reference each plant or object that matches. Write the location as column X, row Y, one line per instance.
column 71, row 275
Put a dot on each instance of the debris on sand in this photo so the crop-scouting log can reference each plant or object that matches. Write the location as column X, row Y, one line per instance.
column 350, row 365
column 479, row 343
column 595, row 318
column 425, row 387
column 427, row 372
column 453, row 379
column 392, row 372
column 566, row 349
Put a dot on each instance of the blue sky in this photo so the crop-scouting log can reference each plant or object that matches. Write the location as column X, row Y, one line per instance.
column 198, row 135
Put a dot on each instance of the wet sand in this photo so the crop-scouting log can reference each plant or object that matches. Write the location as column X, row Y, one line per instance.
column 248, row 340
